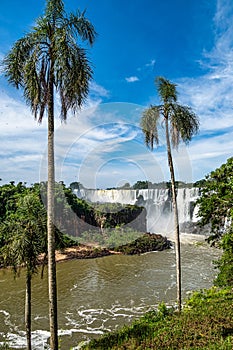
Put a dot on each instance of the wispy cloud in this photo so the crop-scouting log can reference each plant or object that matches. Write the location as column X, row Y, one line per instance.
column 143, row 71
column 132, row 79
column 212, row 92
column 147, row 67
column 211, row 95
column 98, row 90
column 150, row 64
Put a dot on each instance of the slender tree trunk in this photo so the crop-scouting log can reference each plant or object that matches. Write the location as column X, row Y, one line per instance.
column 176, row 217
column 28, row 310
column 52, row 283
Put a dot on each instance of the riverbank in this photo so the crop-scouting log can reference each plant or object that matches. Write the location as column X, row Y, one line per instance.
column 146, row 243
column 206, row 322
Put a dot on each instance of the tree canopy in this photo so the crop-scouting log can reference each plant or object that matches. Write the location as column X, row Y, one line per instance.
column 215, row 203
column 216, row 209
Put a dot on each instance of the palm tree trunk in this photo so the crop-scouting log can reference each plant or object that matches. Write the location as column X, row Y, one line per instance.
column 176, row 217
column 28, row 310
column 52, row 283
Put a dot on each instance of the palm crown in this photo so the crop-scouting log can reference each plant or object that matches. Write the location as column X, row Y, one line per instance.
column 50, row 53
column 182, row 120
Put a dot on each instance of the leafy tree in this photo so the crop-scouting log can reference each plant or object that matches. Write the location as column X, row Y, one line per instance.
column 27, row 239
column 125, row 186
column 215, row 208
column 50, row 58
column 142, row 185
column 9, row 193
column 75, row 186
column 181, row 124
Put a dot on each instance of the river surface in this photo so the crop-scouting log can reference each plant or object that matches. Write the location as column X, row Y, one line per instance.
column 99, row 295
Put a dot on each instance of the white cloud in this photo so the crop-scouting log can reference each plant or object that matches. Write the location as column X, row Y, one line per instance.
column 147, row 67
column 98, row 90
column 132, row 79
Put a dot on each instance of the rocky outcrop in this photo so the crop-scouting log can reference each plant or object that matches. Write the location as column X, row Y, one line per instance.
column 147, row 242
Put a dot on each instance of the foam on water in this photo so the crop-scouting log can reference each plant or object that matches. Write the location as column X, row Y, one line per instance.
column 88, row 326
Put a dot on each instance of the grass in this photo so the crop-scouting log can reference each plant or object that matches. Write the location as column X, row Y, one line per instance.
column 205, row 323
column 111, row 237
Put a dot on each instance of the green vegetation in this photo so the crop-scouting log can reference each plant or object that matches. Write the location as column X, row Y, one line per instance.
column 205, row 323
column 27, row 233
column 4, row 346
column 112, row 238
column 165, row 184
column 73, row 216
column 125, row 241
column 215, row 208
column 140, row 185
column 109, row 215
column 146, row 243
column 12, row 196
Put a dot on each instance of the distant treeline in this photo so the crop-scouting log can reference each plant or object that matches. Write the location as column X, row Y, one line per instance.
column 139, row 185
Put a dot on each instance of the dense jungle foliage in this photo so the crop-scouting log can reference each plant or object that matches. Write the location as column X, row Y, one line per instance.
column 74, row 217
column 216, row 209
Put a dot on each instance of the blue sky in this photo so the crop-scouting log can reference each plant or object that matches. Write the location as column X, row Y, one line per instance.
column 188, row 42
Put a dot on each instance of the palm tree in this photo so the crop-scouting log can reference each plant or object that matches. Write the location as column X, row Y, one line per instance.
column 27, row 239
column 46, row 60
column 181, row 123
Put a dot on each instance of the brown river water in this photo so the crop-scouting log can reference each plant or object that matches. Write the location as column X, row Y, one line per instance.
column 99, row 295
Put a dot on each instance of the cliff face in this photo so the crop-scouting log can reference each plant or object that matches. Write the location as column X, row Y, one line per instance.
column 157, row 203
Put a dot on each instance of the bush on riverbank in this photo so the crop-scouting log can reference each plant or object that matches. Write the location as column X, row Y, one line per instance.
column 126, row 240
column 205, row 323
column 146, row 243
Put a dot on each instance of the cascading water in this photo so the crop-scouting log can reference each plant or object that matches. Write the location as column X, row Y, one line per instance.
column 157, row 203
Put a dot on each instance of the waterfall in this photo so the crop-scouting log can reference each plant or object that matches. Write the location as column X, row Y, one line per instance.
column 157, row 203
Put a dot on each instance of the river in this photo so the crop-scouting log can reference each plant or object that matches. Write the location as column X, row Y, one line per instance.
column 99, row 295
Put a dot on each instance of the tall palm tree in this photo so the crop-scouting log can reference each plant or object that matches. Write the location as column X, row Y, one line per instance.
column 181, row 123
column 46, row 60
column 26, row 240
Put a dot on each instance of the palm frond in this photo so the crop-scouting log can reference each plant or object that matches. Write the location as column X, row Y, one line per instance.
column 13, row 64
column 52, row 50
column 149, row 126
column 184, row 124
column 80, row 25
column 54, row 9
column 72, row 74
